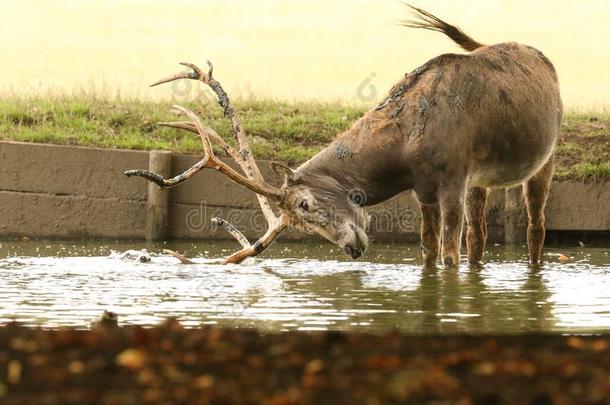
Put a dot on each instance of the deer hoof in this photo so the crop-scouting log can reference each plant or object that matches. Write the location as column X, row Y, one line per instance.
column 448, row 261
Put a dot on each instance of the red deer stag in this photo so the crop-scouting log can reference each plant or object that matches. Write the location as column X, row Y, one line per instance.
column 450, row 130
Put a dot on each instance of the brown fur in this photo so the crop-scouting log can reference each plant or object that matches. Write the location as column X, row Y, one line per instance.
column 430, row 232
column 536, row 191
column 449, row 130
column 476, row 234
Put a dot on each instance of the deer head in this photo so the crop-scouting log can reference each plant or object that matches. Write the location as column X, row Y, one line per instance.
column 303, row 202
column 321, row 204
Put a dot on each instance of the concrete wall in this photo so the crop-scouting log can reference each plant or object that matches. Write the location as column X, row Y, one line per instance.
column 66, row 191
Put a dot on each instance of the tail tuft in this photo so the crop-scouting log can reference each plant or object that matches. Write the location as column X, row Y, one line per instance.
column 427, row 21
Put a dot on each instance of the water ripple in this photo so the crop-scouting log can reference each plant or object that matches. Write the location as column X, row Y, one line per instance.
column 318, row 293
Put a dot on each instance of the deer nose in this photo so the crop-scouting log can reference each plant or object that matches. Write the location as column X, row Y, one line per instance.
column 353, row 252
column 356, row 243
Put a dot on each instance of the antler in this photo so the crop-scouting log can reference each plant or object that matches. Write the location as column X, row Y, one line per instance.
column 209, row 161
column 253, row 179
column 275, row 228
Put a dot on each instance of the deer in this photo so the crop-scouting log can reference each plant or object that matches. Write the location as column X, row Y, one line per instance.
column 450, row 130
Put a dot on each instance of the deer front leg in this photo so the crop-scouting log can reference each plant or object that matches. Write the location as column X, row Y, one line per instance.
column 476, row 234
column 452, row 212
column 430, row 232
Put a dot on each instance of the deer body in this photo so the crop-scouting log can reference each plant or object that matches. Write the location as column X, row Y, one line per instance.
column 453, row 118
column 450, row 130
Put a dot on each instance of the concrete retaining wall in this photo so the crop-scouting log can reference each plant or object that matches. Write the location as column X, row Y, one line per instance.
column 66, row 191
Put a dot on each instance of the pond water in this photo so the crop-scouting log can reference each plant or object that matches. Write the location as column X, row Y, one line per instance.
column 304, row 287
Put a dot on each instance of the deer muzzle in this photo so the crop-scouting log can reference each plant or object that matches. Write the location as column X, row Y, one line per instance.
column 355, row 242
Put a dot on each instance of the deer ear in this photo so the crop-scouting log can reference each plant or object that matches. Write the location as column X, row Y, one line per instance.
column 284, row 171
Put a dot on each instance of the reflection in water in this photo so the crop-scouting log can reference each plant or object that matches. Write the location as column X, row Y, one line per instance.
column 60, row 284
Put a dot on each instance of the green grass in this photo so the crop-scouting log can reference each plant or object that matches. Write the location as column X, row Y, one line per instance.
column 583, row 151
column 290, row 132
column 278, row 130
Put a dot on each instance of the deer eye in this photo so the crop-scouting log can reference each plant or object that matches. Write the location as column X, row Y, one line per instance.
column 304, row 205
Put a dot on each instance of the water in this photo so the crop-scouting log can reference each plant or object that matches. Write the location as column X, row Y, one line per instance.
column 304, row 287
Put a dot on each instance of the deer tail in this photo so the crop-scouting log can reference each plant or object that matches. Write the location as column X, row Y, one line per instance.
column 427, row 21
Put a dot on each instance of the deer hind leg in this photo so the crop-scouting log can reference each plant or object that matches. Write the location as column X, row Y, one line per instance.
column 476, row 234
column 430, row 232
column 452, row 212
column 536, row 191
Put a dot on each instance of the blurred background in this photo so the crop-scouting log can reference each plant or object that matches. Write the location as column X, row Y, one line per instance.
column 287, row 50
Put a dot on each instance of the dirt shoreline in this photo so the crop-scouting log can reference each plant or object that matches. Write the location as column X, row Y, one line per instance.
column 169, row 364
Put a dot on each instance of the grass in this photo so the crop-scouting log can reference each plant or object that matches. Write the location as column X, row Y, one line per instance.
column 289, row 132
column 583, row 151
column 281, row 131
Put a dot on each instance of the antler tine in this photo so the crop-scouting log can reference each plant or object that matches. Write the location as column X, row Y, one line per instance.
column 196, row 74
column 213, row 135
column 186, row 125
column 247, row 250
column 275, row 228
column 201, row 129
column 233, row 231
column 167, row 183
column 183, row 259
column 177, row 76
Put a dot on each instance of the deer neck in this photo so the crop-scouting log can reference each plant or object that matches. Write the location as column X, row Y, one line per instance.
column 368, row 159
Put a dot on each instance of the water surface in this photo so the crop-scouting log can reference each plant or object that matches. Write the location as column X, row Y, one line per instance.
column 304, row 287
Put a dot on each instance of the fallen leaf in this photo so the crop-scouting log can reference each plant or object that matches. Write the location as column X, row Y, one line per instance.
column 13, row 372
column 76, row 367
column 131, row 358
column 203, row 382
column 314, row 366
column 576, row 343
column 600, row 345
column 484, row 368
